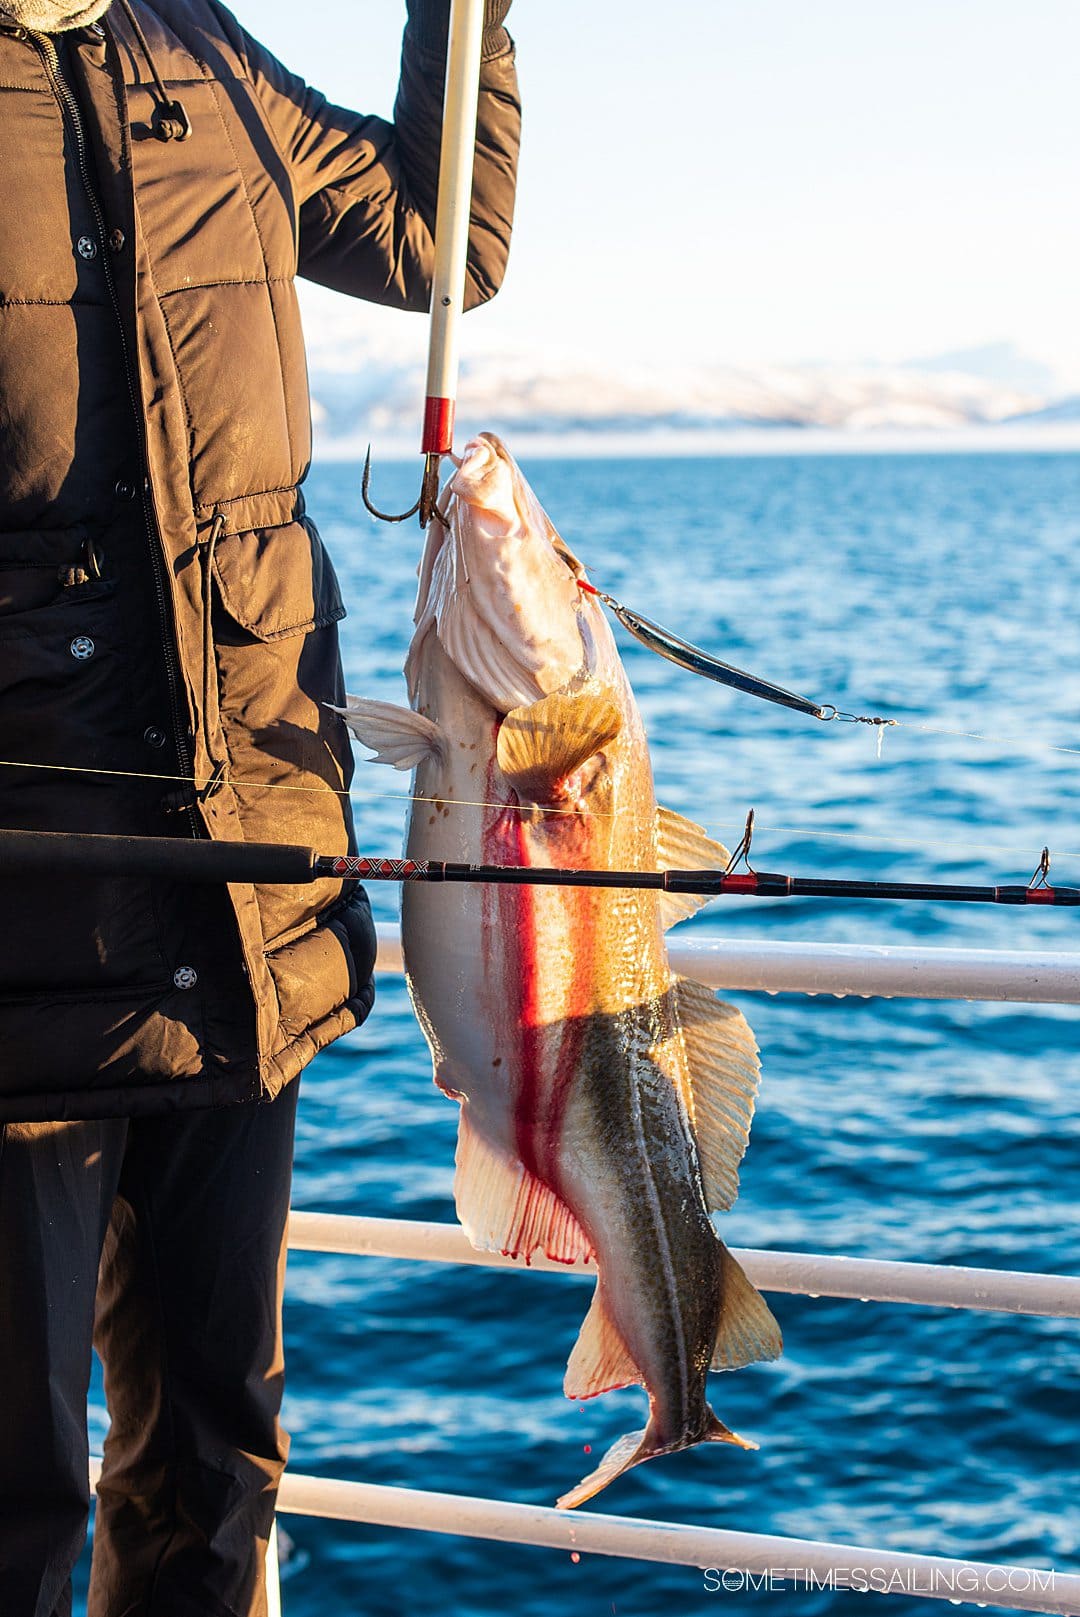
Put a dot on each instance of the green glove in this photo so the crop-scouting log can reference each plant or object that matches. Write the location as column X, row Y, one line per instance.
column 429, row 24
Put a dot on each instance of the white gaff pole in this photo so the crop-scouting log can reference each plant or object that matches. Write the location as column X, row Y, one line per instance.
column 451, row 237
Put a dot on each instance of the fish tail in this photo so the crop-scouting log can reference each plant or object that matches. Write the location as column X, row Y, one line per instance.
column 717, row 1432
column 625, row 1452
column 636, row 1447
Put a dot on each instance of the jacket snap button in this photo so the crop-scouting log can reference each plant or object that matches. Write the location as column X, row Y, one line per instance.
column 153, row 736
column 87, row 247
column 185, row 976
column 125, row 490
column 81, row 647
column 116, row 240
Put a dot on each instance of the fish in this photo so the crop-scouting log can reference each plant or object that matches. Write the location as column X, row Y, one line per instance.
column 605, row 1102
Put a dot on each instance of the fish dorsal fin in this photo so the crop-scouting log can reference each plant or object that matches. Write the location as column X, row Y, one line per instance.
column 396, row 735
column 723, row 1066
column 600, row 1360
column 682, row 845
column 505, row 1208
column 540, row 745
column 747, row 1332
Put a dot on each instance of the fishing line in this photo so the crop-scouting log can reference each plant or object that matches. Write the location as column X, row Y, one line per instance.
column 910, row 842
column 317, row 791
column 1002, row 741
column 459, row 802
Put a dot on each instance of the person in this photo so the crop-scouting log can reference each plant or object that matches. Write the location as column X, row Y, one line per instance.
column 168, row 648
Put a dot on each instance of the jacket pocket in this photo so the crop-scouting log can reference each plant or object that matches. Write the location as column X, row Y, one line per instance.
column 276, row 582
column 277, row 669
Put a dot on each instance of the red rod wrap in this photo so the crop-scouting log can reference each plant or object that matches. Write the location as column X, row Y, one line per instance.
column 740, row 884
column 438, row 427
column 1040, row 895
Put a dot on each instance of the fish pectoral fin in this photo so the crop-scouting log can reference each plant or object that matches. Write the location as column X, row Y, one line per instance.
column 747, row 1332
column 683, row 845
column 540, row 745
column 502, row 1207
column 600, row 1360
column 396, row 735
column 723, row 1068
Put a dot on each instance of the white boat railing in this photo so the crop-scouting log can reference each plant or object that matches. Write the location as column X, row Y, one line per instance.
column 806, row 1274
column 1026, row 976
column 729, row 1561
column 732, row 1561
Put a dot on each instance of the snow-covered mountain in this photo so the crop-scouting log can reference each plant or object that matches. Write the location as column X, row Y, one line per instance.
column 363, row 391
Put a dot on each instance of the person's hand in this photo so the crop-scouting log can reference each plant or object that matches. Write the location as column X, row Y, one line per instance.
column 429, row 21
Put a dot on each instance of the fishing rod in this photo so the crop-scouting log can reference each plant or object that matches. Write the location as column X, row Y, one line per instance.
column 451, row 253
column 62, row 853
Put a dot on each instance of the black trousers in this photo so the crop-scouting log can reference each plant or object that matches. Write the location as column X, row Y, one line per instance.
column 186, row 1215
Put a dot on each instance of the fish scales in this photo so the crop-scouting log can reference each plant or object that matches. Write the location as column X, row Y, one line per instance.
column 604, row 1104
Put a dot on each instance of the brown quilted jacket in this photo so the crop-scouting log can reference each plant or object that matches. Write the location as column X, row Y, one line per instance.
column 167, row 612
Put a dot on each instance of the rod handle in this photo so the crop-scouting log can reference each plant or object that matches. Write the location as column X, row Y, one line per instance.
column 62, row 853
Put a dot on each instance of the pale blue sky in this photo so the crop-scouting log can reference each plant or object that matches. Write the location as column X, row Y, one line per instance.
column 765, row 180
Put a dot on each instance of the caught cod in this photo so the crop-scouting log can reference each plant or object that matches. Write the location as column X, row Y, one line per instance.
column 605, row 1103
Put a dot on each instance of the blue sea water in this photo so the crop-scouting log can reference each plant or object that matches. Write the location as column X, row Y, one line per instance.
column 941, row 590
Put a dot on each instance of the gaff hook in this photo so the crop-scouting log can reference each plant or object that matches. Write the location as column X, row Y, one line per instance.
column 456, row 160
column 384, row 516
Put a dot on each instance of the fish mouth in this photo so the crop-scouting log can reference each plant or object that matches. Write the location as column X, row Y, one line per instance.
column 530, row 512
column 499, row 587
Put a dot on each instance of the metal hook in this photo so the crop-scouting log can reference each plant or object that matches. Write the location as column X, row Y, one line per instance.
column 383, row 516
column 1041, row 877
column 426, row 502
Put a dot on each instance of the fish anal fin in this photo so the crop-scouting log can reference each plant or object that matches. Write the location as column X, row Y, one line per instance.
column 683, row 845
column 747, row 1332
column 397, row 736
column 723, row 1068
column 540, row 745
column 503, row 1207
column 600, row 1360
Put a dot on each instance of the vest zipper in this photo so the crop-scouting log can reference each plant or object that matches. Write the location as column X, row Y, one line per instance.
column 65, row 96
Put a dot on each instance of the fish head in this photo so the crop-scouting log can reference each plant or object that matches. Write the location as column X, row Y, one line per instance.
column 499, row 589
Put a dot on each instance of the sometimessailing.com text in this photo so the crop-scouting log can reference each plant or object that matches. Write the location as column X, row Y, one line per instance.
column 963, row 1581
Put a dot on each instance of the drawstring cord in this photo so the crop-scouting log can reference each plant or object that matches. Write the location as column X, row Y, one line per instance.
column 209, row 669
column 171, row 121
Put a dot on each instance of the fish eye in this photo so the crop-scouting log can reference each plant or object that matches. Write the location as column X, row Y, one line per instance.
column 565, row 554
